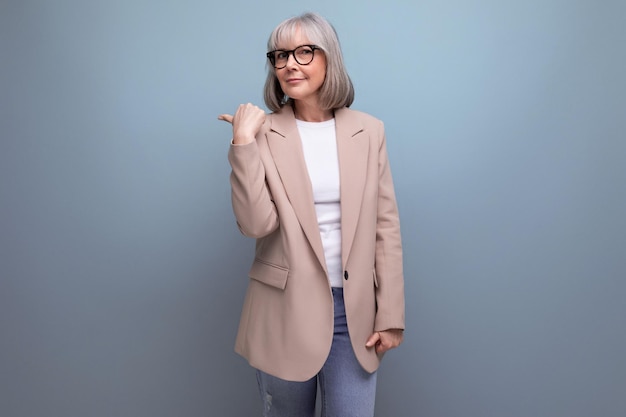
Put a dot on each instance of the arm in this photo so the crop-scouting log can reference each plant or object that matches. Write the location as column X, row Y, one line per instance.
column 389, row 322
column 252, row 203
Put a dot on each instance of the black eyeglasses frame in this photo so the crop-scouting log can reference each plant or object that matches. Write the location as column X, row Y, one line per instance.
column 272, row 57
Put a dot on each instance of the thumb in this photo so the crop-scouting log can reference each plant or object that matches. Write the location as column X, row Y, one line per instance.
column 226, row 117
column 373, row 339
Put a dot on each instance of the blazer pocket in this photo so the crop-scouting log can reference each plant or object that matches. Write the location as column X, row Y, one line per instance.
column 375, row 279
column 270, row 274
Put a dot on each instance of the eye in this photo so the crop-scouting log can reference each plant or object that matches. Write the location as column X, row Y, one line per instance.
column 281, row 55
column 305, row 51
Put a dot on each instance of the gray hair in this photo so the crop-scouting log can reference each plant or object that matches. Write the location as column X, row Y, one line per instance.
column 337, row 90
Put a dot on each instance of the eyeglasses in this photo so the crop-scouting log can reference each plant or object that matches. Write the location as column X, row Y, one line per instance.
column 303, row 55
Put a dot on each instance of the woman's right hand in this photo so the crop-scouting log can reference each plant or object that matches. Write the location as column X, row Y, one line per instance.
column 246, row 122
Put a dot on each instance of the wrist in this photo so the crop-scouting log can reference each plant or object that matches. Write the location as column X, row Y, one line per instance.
column 242, row 140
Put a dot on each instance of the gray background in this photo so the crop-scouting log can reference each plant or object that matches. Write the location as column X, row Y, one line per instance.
column 122, row 271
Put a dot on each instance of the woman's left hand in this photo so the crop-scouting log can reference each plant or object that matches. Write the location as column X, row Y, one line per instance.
column 385, row 340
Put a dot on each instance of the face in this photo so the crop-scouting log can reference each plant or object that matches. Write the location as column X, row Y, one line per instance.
column 302, row 82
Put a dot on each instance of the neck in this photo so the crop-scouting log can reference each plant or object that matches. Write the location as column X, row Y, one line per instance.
column 310, row 113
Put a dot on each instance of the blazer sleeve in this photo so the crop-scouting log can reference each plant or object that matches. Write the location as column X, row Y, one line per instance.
column 388, row 267
column 253, row 207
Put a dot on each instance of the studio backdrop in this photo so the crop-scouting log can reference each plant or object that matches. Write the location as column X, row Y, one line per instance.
column 122, row 272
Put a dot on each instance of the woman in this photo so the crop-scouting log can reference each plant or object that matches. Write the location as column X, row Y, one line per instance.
column 311, row 182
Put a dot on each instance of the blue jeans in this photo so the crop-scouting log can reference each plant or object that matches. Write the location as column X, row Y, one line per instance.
column 346, row 389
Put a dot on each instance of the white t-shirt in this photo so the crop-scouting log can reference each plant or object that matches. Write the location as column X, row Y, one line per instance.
column 320, row 153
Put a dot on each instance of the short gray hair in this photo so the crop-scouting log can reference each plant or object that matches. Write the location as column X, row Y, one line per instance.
column 337, row 90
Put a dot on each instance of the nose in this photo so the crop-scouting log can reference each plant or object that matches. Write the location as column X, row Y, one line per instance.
column 291, row 60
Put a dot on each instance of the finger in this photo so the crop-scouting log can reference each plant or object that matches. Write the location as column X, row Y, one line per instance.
column 226, row 117
column 373, row 339
column 387, row 342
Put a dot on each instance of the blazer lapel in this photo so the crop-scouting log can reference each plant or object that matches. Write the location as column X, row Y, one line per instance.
column 286, row 148
column 353, row 151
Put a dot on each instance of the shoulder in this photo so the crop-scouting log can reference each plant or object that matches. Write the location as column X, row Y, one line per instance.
column 282, row 121
column 358, row 115
column 357, row 121
column 365, row 119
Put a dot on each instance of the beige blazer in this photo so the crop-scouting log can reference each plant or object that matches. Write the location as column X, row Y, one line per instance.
column 286, row 325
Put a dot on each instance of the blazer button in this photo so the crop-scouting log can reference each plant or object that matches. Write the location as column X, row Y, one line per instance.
column 345, row 275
